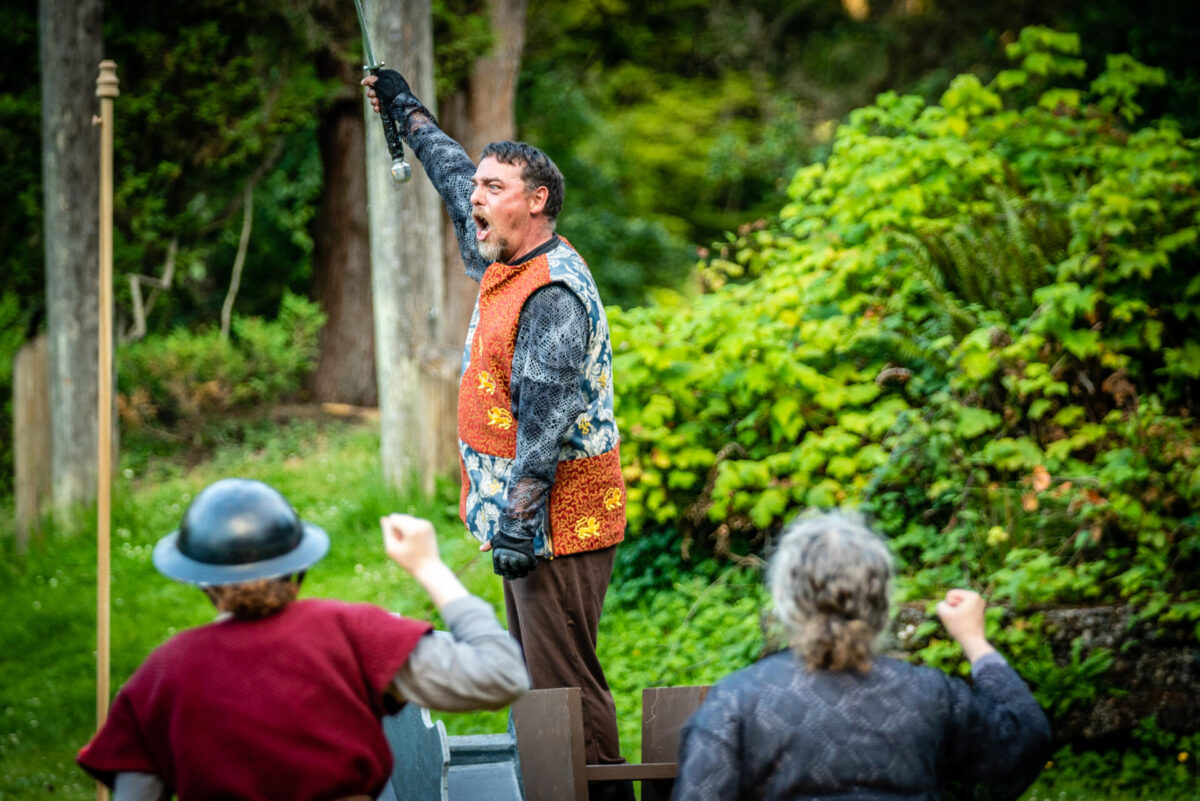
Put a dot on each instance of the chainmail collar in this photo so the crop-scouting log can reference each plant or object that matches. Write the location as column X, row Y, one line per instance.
column 547, row 246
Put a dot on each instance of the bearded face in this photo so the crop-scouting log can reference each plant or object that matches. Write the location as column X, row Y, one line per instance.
column 504, row 212
column 493, row 247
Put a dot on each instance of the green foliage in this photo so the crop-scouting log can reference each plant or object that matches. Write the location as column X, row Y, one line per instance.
column 630, row 253
column 686, row 631
column 462, row 34
column 975, row 322
column 20, row 207
column 215, row 99
column 177, row 383
column 1060, row 688
column 1158, row 35
column 707, row 105
column 1156, row 765
column 20, row 136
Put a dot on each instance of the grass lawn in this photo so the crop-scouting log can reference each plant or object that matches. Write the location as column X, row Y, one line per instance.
column 658, row 628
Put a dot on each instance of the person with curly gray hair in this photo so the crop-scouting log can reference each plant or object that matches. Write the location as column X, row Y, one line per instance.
column 831, row 717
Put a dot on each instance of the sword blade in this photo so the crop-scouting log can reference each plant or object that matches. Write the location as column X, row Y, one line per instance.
column 368, row 54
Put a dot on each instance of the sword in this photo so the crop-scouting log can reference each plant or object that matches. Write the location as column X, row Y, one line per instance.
column 401, row 171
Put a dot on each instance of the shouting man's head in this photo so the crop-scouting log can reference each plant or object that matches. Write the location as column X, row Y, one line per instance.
column 517, row 197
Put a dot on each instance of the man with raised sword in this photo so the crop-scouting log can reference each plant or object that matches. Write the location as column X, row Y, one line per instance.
column 542, row 484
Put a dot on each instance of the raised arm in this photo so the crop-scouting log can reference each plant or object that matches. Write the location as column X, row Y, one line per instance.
column 1001, row 737
column 477, row 665
column 446, row 163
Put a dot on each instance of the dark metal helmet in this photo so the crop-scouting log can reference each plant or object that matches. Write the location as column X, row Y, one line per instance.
column 239, row 530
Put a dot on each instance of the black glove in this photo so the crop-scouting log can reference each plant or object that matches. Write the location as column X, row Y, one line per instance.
column 390, row 85
column 512, row 557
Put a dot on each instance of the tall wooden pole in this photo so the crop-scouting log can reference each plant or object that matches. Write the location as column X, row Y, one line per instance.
column 106, row 90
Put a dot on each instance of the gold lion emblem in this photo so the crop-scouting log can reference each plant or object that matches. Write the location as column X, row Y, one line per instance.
column 486, row 384
column 501, row 418
column 612, row 498
column 587, row 527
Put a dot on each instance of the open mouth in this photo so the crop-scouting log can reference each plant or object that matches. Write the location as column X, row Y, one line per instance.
column 482, row 226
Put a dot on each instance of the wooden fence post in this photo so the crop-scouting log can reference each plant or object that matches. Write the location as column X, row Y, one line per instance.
column 31, row 435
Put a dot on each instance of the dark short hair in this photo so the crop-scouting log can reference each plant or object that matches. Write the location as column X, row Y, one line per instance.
column 538, row 170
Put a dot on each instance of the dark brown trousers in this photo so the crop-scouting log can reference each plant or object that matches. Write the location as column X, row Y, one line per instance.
column 554, row 613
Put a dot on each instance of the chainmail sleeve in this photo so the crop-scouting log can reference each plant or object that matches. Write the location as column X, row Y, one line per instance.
column 552, row 339
column 450, row 170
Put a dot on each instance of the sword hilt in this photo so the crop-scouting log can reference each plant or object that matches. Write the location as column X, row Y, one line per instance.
column 401, row 171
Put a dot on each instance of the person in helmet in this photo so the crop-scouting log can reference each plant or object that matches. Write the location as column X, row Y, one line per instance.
column 282, row 698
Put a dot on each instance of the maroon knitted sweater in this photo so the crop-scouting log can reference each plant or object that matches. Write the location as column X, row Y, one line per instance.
column 283, row 707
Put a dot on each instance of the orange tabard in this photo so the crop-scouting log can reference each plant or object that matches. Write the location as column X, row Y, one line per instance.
column 587, row 501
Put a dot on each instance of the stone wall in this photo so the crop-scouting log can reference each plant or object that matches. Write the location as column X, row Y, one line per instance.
column 1155, row 671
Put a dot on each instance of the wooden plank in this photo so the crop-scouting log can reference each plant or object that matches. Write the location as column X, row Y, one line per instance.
column 633, row 772
column 31, row 435
column 549, row 730
column 664, row 711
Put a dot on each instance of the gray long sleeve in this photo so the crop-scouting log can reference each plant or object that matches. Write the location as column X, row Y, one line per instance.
column 450, row 170
column 131, row 786
column 476, row 665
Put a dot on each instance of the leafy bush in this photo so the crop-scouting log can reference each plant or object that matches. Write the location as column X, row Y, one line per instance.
column 178, row 381
column 1155, row 765
column 974, row 321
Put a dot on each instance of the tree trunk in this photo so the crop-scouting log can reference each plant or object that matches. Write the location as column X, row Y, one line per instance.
column 70, row 50
column 406, row 267
column 341, row 259
column 482, row 112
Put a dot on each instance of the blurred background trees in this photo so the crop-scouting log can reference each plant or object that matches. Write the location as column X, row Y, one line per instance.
column 677, row 124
